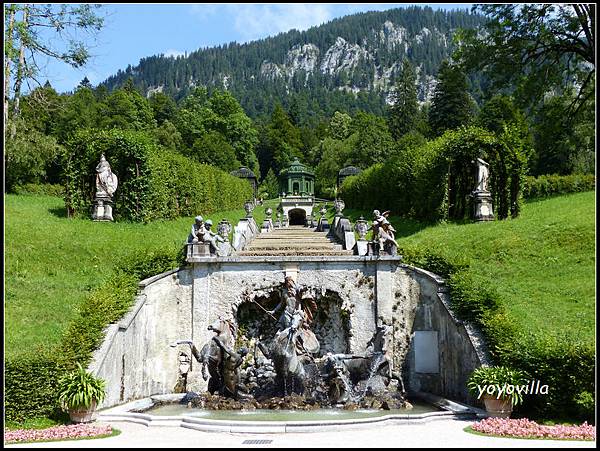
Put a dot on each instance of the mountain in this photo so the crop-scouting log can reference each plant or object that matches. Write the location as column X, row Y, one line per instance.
column 347, row 64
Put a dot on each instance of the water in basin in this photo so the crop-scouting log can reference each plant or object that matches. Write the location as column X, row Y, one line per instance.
column 286, row 415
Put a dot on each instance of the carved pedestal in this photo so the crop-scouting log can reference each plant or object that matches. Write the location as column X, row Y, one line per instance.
column 482, row 206
column 362, row 247
column 198, row 250
column 102, row 209
column 323, row 225
column 224, row 249
column 267, row 226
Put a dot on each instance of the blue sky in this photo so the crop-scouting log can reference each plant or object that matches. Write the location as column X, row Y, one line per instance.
column 134, row 31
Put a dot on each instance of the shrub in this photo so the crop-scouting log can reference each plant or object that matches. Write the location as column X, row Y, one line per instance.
column 28, row 154
column 552, row 185
column 154, row 183
column 46, row 189
column 30, row 386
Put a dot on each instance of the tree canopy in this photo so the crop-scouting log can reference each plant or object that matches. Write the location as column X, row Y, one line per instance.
column 534, row 49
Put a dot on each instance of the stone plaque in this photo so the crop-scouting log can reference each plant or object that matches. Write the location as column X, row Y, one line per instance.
column 427, row 358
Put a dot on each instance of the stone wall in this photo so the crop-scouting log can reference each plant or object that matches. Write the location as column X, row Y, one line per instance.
column 135, row 358
column 442, row 352
column 355, row 295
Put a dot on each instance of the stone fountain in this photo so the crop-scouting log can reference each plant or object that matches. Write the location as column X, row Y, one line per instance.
column 259, row 360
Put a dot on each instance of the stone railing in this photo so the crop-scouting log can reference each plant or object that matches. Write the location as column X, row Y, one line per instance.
column 342, row 231
column 244, row 233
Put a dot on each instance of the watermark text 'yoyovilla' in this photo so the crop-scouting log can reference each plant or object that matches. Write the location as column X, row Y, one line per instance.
column 531, row 388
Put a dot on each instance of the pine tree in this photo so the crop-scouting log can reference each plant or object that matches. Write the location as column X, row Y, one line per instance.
column 452, row 106
column 402, row 114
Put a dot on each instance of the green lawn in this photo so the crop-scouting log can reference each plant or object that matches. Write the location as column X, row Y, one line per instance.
column 52, row 262
column 542, row 264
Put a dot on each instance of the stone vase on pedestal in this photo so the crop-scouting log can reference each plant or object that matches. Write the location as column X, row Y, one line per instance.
column 482, row 206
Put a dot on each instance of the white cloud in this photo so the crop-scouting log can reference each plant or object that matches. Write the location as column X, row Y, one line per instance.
column 173, row 53
column 203, row 11
column 256, row 21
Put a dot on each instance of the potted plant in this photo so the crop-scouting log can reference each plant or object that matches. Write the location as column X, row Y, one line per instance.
column 497, row 386
column 79, row 393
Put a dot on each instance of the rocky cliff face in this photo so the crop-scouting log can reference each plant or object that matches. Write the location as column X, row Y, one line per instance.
column 347, row 58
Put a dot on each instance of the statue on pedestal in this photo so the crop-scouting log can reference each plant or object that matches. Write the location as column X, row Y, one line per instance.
column 482, row 198
column 483, row 173
column 106, row 185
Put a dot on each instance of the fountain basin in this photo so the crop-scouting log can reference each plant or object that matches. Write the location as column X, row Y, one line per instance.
column 164, row 410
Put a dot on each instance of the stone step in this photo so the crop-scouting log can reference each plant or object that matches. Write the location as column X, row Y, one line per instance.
column 288, row 252
column 306, row 241
column 275, row 235
column 295, row 239
column 291, row 249
column 287, row 230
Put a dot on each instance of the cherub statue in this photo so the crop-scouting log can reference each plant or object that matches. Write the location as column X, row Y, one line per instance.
column 383, row 232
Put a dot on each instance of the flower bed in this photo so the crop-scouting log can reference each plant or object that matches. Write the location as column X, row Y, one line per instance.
column 525, row 428
column 62, row 432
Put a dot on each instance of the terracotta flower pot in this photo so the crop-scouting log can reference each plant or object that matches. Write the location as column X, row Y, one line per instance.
column 83, row 415
column 498, row 408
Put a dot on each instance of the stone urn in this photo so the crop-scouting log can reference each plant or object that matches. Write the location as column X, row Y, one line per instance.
column 361, row 227
column 83, row 414
column 224, row 229
column 249, row 206
column 339, row 206
column 498, row 408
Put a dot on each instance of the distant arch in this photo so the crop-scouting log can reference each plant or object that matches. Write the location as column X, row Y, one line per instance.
column 297, row 216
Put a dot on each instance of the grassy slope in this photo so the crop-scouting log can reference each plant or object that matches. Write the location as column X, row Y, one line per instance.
column 52, row 262
column 542, row 264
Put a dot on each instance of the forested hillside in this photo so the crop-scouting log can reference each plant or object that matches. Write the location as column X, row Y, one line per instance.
column 348, row 64
column 361, row 90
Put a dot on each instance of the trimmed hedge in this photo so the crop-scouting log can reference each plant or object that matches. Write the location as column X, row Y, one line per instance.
column 46, row 189
column 154, row 182
column 435, row 181
column 31, row 380
column 30, row 387
column 566, row 366
column 553, row 185
column 411, row 184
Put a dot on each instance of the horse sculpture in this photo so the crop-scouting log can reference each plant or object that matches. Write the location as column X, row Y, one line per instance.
column 289, row 353
column 211, row 355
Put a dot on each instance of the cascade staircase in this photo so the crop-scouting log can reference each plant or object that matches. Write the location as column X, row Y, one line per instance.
column 294, row 240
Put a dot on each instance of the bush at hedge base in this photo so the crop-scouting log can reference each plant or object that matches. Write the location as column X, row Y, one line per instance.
column 154, row 183
column 554, row 185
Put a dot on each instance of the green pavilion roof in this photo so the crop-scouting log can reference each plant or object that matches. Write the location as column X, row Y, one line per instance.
column 297, row 168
